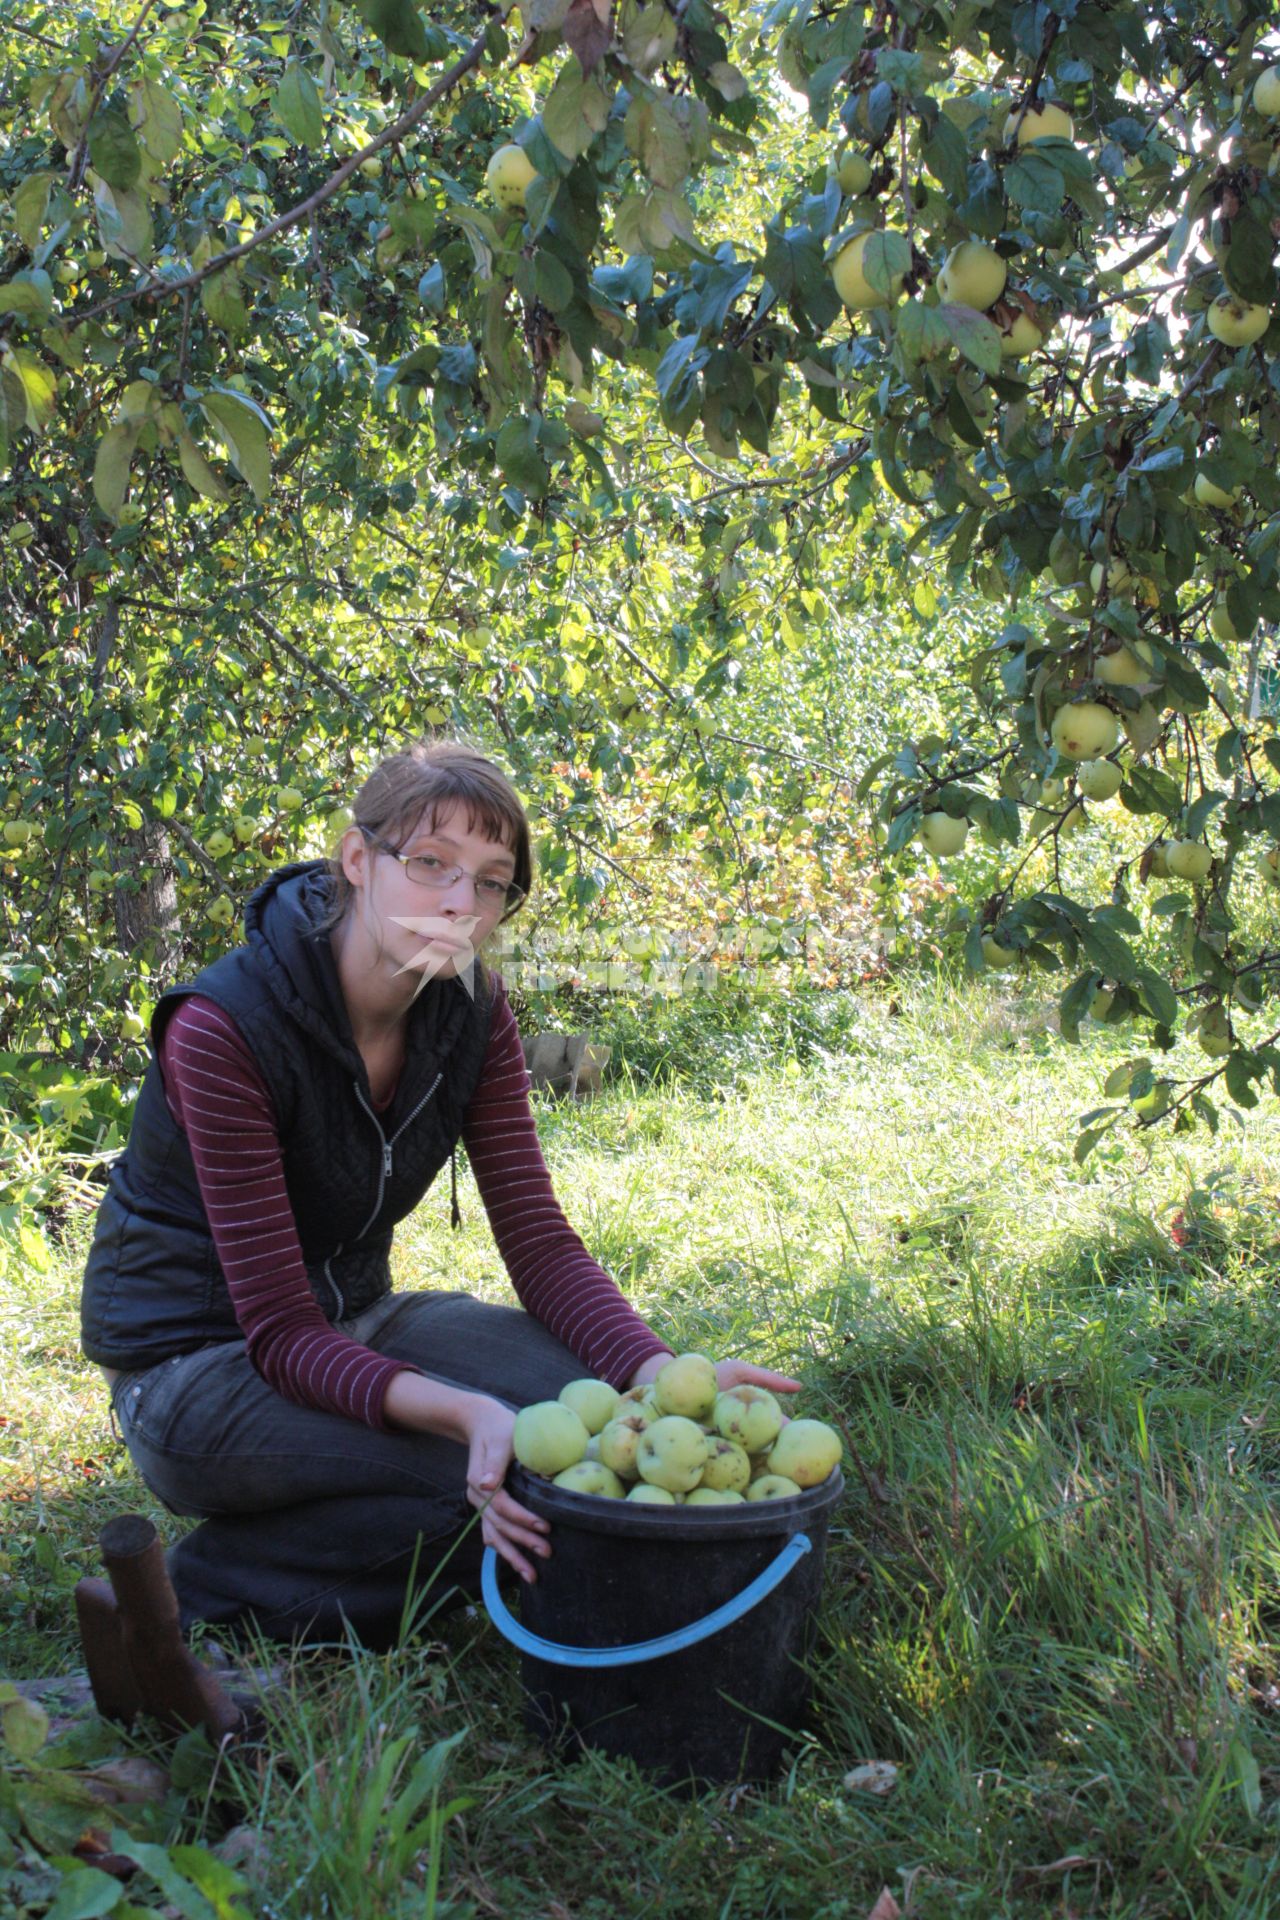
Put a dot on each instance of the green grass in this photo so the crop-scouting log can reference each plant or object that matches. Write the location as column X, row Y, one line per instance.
column 1053, row 1588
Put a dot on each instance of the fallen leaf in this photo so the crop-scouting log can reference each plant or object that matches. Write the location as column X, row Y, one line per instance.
column 133, row 1782
column 872, row 1776
column 885, row 1908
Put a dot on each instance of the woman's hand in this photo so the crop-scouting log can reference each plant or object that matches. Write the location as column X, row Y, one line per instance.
column 729, row 1373
column 510, row 1529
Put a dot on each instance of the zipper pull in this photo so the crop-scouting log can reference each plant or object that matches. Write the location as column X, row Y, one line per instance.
column 386, row 1160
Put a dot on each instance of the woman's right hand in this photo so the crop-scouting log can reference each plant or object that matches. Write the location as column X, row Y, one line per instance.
column 510, row 1529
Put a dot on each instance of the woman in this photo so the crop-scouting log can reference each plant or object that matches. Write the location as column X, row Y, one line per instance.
column 304, row 1091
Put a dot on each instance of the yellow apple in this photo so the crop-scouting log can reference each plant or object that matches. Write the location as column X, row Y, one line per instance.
column 1221, row 625
column 1189, row 859
column 851, row 283
column 1021, row 337
column 1099, row 779
column 1085, row 730
column 1266, row 93
column 18, row 832
column 943, row 834
column 1048, row 123
column 508, row 176
column 1127, row 666
column 288, row 799
column 853, row 171
column 1209, row 495
column 996, row 956
column 974, row 276
column 1116, row 574
column 222, row 913
column 1237, row 323
column 1213, row 1034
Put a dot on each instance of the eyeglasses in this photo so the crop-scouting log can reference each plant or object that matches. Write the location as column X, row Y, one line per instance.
column 427, row 870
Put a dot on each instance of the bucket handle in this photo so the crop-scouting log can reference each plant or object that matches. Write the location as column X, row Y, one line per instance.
column 561, row 1656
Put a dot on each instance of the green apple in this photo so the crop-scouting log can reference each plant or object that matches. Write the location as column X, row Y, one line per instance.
column 218, row 843
column 772, row 1486
column 589, row 1476
column 221, row 912
column 806, row 1451
column 1266, row 93
column 686, row 1386
column 1132, row 666
column 548, row 1437
column 727, row 1465
column 1237, row 323
column 508, row 177
column 1085, row 730
column 1221, row 625
column 974, row 275
column 748, row 1415
column 1021, row 337
column 288, row 799
column 1153, row 1105
column 851, row 283
column 1209, row 495
column 672, row 1453
column 1099, row 779
column 130, row 1027
column 594, row 1402
column 996, row 956
column 1101, row 1003
column 1269, row 865
column 244, row 828
column 620, row 1441
column 371, row 168
column 942, row 833
column 18, row 832
column 1213, row 1033
column 715, row 1497
column 1116, row 574
column 853, row 171
column 1158, row 864
column 132, row 513
column 1189, row 859
column 1049, row 122
column 101, row 880
column 646, row 1496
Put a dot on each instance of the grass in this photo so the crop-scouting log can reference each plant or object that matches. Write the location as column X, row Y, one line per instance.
column 1052, row 1596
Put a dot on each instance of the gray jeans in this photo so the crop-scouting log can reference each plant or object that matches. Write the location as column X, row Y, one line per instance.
column 312, row 1520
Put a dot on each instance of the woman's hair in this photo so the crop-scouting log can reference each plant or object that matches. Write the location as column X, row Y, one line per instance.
column 411, row 790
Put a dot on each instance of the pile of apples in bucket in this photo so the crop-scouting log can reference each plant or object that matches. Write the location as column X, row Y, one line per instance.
column 679, row 1441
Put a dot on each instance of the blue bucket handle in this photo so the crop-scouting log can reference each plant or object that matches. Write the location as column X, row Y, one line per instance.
column 561, row 1656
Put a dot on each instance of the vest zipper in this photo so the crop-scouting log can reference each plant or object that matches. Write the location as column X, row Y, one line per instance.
column 384, row 1172
column 337, row 1290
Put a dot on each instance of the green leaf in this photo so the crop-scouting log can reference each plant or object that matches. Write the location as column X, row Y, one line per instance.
column 24, row 1726
column 124, row 223
column 111, row 466
column 575, row 110
column 653, row 135
column 38, row 387
column 28, row 294
column 240, row 426
column 297, row 105
column 977, row 338
column 1158, row 997
column 519, row 457
column 947, row 159
column 30, row 204
column 649, row 38
column 552, row 280
column 397, row 24
column 84, row 1894
column 157, row 119
column 113, row 148
column 223, row 301
column 1032, row 180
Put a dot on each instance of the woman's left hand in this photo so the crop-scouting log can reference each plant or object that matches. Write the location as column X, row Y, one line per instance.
column 729, row 1373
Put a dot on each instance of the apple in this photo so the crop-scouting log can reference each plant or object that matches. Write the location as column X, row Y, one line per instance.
column 1266, row 93
column 1221, row 625
column 1127, row 666
column 1237, row 323
column 1049, row 122
column 218, row 843
column 851, row 283
column 974, row 275
column 100, row 880
column 646, row 1496
column 130, row 1027
column 715, row 1497
column 853, row 171
column 1153, row 1105
column 67, row 272
column 548, row 1437
column 1101, row 1003
column 637, row 1397
column 508, row 176
column 805, row 1451
column 244, row 828
column 1116, row 573
column 1213, row 1034
column 589, row 1476
column 594, row 1402
column 371, row 168
column 1209, row 495
column 1021, row 337
column 18, row 832
column 748, row 1415
column 620, row 1441
column 1085, row 730
column 943, row 834
column 772, row 1486
column 1158, row 865
column 221, row 912
column 1099, row 779
column 1269, row 865
column 288, row 799
column 672, row 1453
column 727, row 1465
column 997, row 956
column 1189, row 859
column 132, row 513
column 686, row 1386
column 94, row 259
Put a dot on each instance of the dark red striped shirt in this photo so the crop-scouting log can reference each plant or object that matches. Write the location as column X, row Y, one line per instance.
column 217, row 1096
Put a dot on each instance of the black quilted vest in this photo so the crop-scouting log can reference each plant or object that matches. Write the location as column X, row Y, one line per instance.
column 153, row 1285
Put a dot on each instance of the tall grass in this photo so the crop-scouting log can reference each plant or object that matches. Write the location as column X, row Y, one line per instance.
column 1051, row 1598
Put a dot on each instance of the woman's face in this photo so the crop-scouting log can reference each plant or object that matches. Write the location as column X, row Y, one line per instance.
column 431, row 931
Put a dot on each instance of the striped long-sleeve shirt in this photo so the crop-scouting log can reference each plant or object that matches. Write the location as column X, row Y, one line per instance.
column 217, row 1096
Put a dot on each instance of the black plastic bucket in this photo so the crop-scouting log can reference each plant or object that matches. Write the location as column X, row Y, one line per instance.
column 726, row 1701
